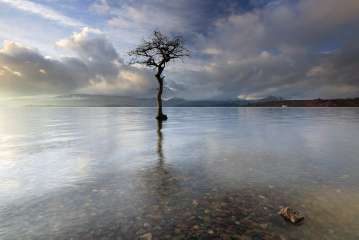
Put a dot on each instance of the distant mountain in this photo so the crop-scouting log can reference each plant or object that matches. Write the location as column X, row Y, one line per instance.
column 350, row 102
column 177, row 102
column 86, row 100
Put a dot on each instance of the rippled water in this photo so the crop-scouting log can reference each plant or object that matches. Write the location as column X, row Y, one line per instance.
column 209, row 173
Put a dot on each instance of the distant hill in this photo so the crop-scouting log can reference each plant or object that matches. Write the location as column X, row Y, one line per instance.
column 85, row 100
column 352, row 102
column 177, row 102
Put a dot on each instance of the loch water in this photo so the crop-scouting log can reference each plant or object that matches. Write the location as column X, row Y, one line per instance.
column 206, row 173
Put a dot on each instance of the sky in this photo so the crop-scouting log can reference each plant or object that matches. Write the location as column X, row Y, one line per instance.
column 248, row 49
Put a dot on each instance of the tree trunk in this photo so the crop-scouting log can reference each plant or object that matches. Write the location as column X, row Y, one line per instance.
column 160, row 115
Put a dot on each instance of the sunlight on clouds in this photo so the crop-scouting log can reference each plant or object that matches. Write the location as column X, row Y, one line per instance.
column 99, row 84
column 77, row 37
column 131, row 76
column 127, row 81
column 94, row 68
column 17, row 74
column 248, row 97
column 8, row 69
column 9, row 47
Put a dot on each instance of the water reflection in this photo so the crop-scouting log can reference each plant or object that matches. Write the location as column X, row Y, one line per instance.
column 160, row 142
column 216, row 173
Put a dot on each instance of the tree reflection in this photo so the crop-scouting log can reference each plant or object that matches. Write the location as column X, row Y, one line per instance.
column 165, row 181
column 160, row 142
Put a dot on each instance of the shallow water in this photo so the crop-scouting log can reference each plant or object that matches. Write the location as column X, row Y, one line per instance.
column 209, row 173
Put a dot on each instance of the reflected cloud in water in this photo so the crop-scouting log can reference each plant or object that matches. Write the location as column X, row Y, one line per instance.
column 90, row 173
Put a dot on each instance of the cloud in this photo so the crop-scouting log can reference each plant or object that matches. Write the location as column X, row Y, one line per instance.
column 130, row 21
column 146, row 17
column 7, row 69
column 295, row 49
column 276, row 50
column 43, row 11
column 100, row 7
column 90, row 45
column 95, row 68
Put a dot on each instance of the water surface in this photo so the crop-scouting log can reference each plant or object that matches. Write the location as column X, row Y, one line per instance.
column 207, row 173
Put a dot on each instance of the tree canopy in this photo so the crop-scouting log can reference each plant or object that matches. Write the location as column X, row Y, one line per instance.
column 159, row 50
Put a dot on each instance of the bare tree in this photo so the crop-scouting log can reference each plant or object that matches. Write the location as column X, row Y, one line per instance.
column 157, row 53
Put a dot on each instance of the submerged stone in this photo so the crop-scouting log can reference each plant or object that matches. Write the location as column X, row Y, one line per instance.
column 291, row 215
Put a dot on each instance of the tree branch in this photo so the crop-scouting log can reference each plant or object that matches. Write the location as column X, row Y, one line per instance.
column 159, row 50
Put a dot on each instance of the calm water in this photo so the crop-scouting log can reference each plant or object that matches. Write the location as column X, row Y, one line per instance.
column 210, row 173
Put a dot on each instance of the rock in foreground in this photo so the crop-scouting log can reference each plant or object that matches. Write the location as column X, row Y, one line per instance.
column 291, row 215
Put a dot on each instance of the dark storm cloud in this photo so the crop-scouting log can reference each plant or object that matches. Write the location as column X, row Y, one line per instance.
column 275, row 50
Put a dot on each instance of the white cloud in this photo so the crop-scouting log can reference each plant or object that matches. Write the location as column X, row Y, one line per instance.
column 43, row 11
column 25, row 71
column 78, row 37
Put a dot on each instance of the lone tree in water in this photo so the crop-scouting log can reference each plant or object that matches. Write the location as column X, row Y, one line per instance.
column 157, row 53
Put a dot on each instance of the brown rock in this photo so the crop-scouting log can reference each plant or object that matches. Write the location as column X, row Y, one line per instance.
column 291, row 215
